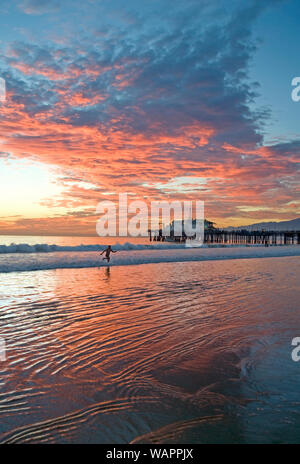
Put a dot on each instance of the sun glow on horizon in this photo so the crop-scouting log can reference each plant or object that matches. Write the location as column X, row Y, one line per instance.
column 24, row 186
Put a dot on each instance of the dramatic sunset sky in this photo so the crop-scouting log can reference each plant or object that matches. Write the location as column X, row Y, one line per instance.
column 163, row 99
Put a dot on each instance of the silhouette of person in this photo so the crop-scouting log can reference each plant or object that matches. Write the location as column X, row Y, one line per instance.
column 107, row 252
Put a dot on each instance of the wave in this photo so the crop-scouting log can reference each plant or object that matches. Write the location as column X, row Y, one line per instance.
column 46, row 248
column 140, row 254
column 127, row 246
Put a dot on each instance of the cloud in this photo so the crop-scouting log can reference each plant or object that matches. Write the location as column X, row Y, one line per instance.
column 37, row 7
column 137, row 100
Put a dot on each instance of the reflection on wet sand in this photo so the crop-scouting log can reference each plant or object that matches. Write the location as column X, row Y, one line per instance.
column 169, row 353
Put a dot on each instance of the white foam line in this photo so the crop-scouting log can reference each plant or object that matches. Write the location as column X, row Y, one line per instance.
column 46, row 261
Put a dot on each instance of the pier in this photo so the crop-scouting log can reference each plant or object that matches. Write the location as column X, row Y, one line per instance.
column 236, row 237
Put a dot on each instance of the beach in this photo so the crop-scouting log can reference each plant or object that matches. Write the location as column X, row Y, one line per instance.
column 195, row 351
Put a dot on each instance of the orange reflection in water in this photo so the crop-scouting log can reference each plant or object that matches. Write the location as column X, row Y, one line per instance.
column 112, row 354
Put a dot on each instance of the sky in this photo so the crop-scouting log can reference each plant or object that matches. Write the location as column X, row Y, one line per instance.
column 161, row 99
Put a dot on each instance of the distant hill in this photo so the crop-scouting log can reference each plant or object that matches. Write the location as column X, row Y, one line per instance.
column 294, row 224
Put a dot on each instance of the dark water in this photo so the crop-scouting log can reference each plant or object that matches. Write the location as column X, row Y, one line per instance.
column 194, row 352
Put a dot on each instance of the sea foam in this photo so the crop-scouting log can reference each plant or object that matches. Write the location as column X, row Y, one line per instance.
column 141, row 254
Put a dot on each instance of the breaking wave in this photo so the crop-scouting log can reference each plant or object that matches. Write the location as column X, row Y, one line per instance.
column 87, row 256
column 46, row 248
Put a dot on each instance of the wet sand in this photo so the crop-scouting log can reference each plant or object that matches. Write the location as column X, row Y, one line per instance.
column 188, row 352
